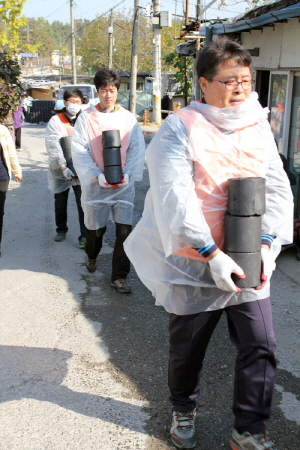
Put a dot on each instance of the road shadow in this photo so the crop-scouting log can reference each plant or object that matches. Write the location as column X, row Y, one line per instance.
column 38, row 373
column 133, row 329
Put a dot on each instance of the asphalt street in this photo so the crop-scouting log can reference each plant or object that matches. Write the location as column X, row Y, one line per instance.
column 84, row 367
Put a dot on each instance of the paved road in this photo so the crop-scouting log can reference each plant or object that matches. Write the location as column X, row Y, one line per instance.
column 84, row 367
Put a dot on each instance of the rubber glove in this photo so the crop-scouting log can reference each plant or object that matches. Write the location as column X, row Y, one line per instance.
column 125, row 180
column 222, row 266
column 268, row 266
column 68, row 174
column 102, row 181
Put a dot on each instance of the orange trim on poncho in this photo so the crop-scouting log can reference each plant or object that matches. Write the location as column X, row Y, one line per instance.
column 117, row 107
column 64, row 119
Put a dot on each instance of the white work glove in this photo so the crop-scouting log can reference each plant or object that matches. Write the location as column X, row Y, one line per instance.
column 125, row 180
column 268, row 266
column 102, row 181
column 221, row 267
column 68, row 174
column 268, row 261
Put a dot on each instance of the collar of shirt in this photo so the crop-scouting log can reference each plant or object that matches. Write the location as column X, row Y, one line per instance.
column 105, row 110
column 72, row 120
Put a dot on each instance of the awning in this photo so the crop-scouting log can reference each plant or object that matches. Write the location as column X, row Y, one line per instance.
column 248, row 24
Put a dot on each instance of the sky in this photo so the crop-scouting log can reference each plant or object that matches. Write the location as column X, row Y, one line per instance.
column 89, row 9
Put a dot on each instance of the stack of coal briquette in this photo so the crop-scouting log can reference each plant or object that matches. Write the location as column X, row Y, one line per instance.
column 246, row 205
column 111, row 141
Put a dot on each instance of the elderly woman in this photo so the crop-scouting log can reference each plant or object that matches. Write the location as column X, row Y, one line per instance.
column 176, row 248
column 8, row 164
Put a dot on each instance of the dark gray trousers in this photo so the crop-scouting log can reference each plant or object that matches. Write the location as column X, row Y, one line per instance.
column 3, row 190
column 251, row 331
column 120, row 261
column 61, row 211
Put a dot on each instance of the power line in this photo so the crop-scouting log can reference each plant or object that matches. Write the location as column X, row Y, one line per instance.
column 56, row 10
column 92, row 21
column 126, row 29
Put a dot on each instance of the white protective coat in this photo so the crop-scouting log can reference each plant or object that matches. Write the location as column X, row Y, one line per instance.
column 55, row 130
column 173, row 219
column 98, row 203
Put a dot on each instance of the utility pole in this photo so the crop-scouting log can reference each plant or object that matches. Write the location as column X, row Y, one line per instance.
column 110, row 39
column 73, row 42
column 199, row 18
column 134, row 53
column 186, row 11
column 156, row 66
column 185, row 81
column 27, row 31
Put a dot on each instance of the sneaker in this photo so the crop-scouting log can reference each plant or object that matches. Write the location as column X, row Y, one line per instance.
column 60, row 237
column 91, row 264
column 81, row 242
column 121, row 285
column 183, row 433
column 248, row 441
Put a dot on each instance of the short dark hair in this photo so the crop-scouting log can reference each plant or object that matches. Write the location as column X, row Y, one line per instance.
column 105, row 77
column 86, row 99
column 218, row 51
column 73, row 92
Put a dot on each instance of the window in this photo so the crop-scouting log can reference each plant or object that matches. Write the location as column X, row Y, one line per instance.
column 277, row 106
column 139, row 86
column 294, row 141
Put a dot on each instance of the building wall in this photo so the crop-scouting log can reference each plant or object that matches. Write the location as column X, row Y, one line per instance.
column 278, row 46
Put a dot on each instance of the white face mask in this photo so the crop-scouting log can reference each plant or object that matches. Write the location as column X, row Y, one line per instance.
column 73, row 109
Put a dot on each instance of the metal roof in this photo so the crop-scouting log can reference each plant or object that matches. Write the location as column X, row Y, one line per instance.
column 248, row 24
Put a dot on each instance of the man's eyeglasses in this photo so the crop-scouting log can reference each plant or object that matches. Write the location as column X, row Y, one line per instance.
column 231, row 84
column 74, row 102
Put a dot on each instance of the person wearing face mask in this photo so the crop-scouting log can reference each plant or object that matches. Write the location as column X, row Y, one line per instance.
column 61, row 177
column 177, row 248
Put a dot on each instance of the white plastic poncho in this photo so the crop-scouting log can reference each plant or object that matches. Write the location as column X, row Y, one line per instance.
column 190, row 160
column 101, row 204
column 55, row 130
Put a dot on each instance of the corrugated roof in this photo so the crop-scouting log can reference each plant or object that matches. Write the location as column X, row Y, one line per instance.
column 245, row 23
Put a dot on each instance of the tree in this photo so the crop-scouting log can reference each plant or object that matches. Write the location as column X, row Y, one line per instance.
column 10, row 88
column 177, row 62
column 93, row 46
column 11, row 15
column 168, row 45
column 40, row 34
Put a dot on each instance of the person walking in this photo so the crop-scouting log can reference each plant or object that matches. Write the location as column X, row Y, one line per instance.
column 177, row 246
column 18, row 118
column 60, row 177
column 8, row 164
column 100, row 200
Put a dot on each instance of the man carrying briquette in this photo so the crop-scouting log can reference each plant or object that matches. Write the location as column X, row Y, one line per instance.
column 100, row 200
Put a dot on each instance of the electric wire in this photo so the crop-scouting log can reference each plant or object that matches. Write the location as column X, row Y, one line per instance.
column 56, row 10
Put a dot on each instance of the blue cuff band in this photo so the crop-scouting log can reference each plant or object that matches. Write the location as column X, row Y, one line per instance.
column 208, row 250
column 267, row 239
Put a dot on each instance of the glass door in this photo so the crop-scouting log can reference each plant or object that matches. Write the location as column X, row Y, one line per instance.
column 279, row 106
column 294, row 141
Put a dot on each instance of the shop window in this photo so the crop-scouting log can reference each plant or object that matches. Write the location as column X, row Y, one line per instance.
column 277, row 105
column 294, row 142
